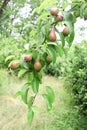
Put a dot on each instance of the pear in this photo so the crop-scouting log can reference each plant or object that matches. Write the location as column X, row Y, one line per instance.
column 14, row 65
column 66, row 31
column 52, row 35
column 28, row 57
column 37, row 65
column 59, row 18
column 49, row 59
column 54, row 11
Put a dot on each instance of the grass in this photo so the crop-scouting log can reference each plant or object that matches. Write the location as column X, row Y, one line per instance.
column 13, row 111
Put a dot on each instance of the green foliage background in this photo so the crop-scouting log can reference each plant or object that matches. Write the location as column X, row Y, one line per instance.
column 73, row 68
column 10, row 46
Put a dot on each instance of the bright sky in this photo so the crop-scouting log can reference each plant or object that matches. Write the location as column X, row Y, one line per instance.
column 80, row 30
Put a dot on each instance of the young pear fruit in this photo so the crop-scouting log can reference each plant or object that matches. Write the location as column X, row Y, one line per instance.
column 14, row 65
column 49, row 59
column 77, row 13
column 37, row 65
column 59, row 18
column 66, row 31
column 54, row 11
column 52, row 35
column 28, row 57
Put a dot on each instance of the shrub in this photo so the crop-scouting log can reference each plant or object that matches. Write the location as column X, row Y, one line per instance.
column 10, row 46
column 74, row 69
column 77, row 76
column 57, row 69
column 70, row 120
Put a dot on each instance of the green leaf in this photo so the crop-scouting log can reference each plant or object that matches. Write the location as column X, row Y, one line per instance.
column 60, row 50
column 62, row 38
column 35, row 54
column 35, row 85
column 71, row 38
column 43, row 16
column 52, row 53
column 23, row 63
column 48, row 103
column 30, row 101
column 30, row 78
column 50, row 94
column 82, row 10
column 22, row 72
column 17, row 94
column 68, row 16
column 52, row 43
column 30, row 115
column 35, row 109
column 9, row 58
column 24, row 92
column 43, row 5
column 27, row 26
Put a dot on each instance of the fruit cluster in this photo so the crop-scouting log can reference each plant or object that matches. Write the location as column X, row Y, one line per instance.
column 28, row 58
column 59, row 18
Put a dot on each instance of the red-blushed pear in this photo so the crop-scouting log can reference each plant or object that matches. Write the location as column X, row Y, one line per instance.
column 37, row 65
column 59, row 18
column 66, row 31
column 54, row 11
column 14, row 65
column 52, row 35
column 28, row 57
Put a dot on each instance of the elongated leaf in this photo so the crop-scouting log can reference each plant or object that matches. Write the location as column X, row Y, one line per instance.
column 71, row 38
column 30, row 115
column 43, row 16
column 22, row 72
column 9, row 58
column 27, row 26
column 52, row 53
column 35, row 85
column 60, row 50
column 30, row 78
column 50, row 94
column 30, row 101
column 62, row 38
column 45, row 4
column 48, row 102
column 52, row 43
column 68, row 16
column 17, row 94
column 24, row 92
column 23, row 63
column 82, row 8
column 35, row 109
